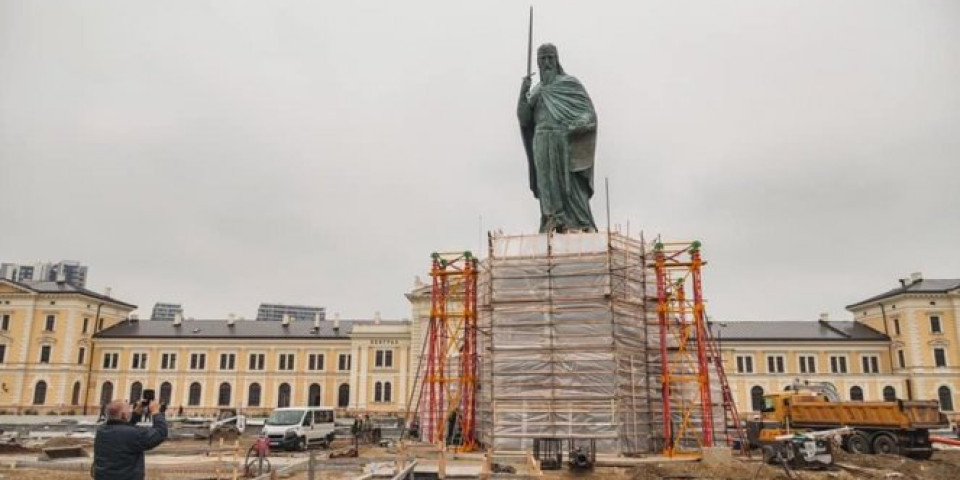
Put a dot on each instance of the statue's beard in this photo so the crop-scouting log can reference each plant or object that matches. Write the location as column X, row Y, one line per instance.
column 547, row 75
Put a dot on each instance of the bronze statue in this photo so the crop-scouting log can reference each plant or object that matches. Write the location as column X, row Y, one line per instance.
column 559, row 129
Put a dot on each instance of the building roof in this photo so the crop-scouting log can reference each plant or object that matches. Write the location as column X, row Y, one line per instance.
column 920, row 286
column 796, row 331
column 217, row 329
column 50, row 287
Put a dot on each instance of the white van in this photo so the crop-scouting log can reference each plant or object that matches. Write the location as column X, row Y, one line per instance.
column 299, row 427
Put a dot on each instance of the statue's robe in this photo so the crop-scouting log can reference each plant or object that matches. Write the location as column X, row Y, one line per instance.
column 560, row 138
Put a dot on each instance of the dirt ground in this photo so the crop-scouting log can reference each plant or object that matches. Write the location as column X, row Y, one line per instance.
column 945, row 465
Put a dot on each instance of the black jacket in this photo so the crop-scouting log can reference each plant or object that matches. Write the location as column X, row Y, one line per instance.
column 119, row 446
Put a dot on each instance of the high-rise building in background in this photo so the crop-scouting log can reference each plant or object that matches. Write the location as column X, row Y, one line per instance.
column 274, row 312
column 166, row 311
column 68, row 271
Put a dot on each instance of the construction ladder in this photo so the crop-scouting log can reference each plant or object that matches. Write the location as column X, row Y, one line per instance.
column 729, row 406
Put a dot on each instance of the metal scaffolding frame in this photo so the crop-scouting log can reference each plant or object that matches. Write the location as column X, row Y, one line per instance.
column 576, row 336
column 448, row 394
column 685, row 377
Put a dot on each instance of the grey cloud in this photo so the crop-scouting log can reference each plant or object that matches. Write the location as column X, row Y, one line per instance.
column 226, row 153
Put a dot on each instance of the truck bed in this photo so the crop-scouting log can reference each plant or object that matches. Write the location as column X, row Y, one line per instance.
column 900, row 414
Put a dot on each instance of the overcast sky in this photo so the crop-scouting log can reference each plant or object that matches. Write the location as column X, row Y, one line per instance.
column 220, row 154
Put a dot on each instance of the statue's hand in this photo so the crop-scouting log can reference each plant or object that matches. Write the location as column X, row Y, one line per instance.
column 525, row 85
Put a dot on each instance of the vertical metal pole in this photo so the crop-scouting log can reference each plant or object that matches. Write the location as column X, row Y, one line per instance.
column 311, row 466
column 219, row 457
column 660, row 265
column 704, row 373
column 236, row 453
column 606, row 185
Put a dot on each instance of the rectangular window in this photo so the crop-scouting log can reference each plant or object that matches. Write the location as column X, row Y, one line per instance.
column 3, row 353
column 808, row 364
column 51, row 323
column 256, row 361
column 5, row 322
column 286, row 361
column 940, row 357
column 838, row 364
column 110, row 361
column 935, row 324
column 896, row 326
column 901, row 360
column 198, row 361
column 744, row 364
column 45, row 354
column 99, row 324
column 316, row 361
column 228, row 361
column 775, row 364
column 80, row 355
column 383, row 359
column 139, row 361
column 168, row 361
column 871, row 364
column 343, row 362
column 86, row 324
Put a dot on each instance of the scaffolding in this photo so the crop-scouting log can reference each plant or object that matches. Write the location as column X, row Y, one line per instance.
column 448, row 392
column 576, row 337
column 685, row 379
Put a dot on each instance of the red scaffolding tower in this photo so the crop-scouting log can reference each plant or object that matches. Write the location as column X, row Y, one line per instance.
column 448, row 395
column 684, row 347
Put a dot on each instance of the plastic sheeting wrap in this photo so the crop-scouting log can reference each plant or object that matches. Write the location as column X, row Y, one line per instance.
column 564, row 342
column 570, row 346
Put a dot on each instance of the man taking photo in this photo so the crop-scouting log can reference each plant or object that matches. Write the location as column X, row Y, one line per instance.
column 120, row 443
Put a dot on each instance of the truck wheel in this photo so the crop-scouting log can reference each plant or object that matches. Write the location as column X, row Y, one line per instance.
column 858, row 443
column 884, row 443
column 769, row 455
column 302, row 444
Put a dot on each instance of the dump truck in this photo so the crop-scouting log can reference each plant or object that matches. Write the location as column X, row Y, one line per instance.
column 899, row 427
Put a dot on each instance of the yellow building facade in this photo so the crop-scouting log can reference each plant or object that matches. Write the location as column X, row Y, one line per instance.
column 46, row 343
column 67, row 350
column 200, row 366
column 766, row 357
column 920, row 317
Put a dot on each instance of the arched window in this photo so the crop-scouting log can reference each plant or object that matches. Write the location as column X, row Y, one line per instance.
column 378, row 392
column 889, row 394
column 387, row 392
column 166, row 392
column 223, row 399
column 106, row 393
column 195, row 391
column 283, row 395
column 856, row 394
column 136, row 391
column 253, row 395
column 313, row 397
column 40, row 393
column 946, row 398
column 75, row 396
column 756, row 398
column 343, row 396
